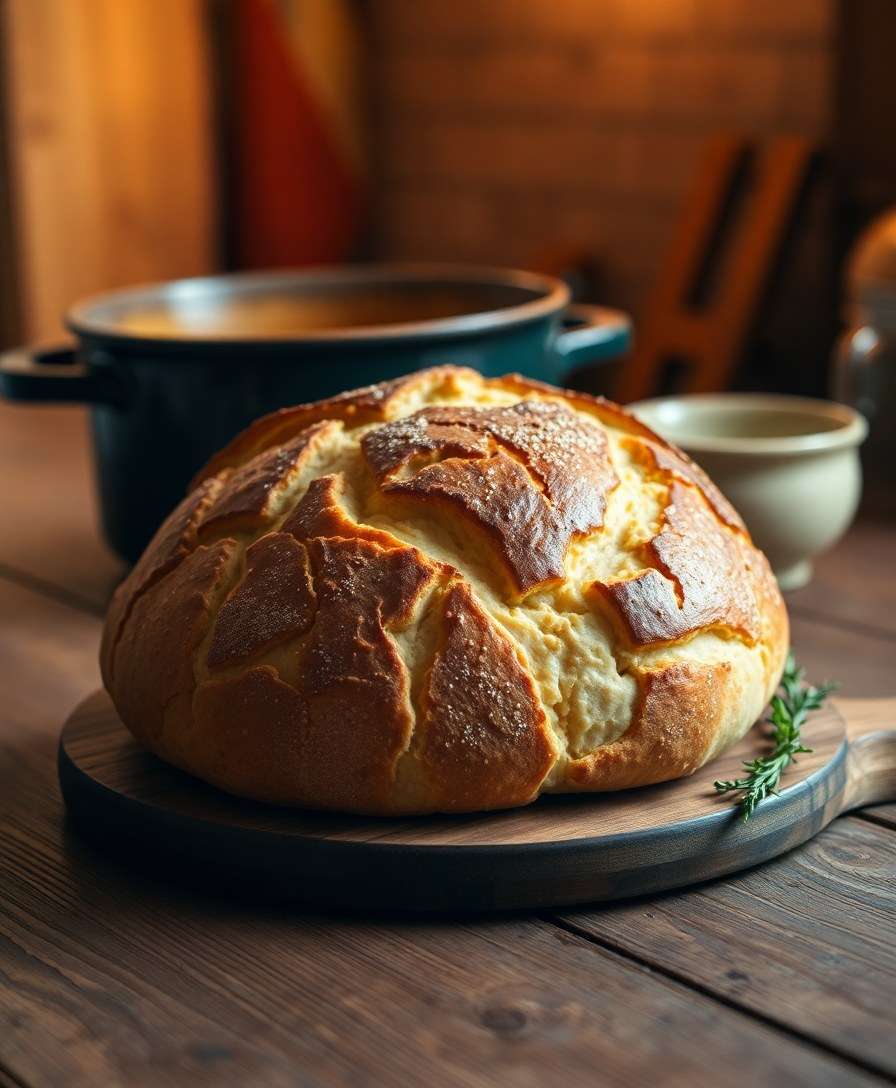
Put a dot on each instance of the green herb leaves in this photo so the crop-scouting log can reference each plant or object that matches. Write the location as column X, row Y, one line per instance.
column 789, row 711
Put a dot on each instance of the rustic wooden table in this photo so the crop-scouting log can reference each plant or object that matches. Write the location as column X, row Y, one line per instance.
column 786, row 973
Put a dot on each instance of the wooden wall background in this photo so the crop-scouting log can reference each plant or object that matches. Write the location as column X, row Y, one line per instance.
column 109, row 156
column 510, row 126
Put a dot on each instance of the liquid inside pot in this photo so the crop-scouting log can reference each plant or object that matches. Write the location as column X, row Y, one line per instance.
column 282, row 314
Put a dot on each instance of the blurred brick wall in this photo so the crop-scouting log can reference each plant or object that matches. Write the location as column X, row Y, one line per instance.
column 505, row 126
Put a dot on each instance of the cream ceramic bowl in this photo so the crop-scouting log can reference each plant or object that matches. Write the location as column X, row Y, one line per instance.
column 789, row 464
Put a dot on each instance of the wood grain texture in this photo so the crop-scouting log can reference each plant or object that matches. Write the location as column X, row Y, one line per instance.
column 871, row 759
column 557, row 851
column 861, row 662
column 802, row 940
column 853, row 591
column 114, row 976
column 110, row 148
column 882, row 814
column 138, row 977
column 50, row 526
column 850, row 582
column 48, row 659
column 151, row 986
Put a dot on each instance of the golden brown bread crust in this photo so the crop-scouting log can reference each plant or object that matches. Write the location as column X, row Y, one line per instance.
column 247, row 734
column 676, row 718
column 531, row 476
column 355, row 407
column 319, row 513
column 660, row 460
column 484, row 731
column 152, row 674
column 351, row 675
column 255, row 489
column 274, row 601
column 174, row 541
column 445, row 593
column 685, row 589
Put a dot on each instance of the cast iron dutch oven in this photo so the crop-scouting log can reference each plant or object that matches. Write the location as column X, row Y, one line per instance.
column 172, row 371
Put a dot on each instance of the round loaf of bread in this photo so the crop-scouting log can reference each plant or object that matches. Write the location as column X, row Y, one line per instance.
column 445, row 594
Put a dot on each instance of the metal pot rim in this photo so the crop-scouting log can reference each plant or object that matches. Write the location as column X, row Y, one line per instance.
column 98, row 317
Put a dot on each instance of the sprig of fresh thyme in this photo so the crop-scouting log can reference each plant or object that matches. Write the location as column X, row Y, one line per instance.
column 789, row 712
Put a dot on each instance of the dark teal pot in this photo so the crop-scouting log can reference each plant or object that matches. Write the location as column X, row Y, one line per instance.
column 174, row 371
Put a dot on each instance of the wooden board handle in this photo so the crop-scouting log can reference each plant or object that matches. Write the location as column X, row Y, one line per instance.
column 871, row 762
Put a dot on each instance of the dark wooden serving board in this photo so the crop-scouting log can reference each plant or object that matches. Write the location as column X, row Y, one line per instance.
column 558, row 851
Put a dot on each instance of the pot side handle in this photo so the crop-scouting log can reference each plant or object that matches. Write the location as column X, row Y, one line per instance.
column 588, row 334
column 50, row 374
column 871, row 759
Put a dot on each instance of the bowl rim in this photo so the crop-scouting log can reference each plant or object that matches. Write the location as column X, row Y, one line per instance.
column 851, row 427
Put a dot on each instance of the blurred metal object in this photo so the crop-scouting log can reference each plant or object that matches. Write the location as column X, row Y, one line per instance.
column 864, row 365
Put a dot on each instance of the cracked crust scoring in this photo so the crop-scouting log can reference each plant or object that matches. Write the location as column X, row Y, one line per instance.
column 153, row 671
column 679, row 712
column 685, row 589
column 253, row 489
column 174, row 541
column 349, row 610
column 484, row 732
column 532, row 476
column 274, row 601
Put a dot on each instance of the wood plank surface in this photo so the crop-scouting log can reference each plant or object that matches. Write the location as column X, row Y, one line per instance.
column 149, row 987
column 860, row 661
column 57, row 888
column 50, row 523
column 117, row 978
column 805, row 940
column 885, row 815
column 48, row 657
column 854, row 583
